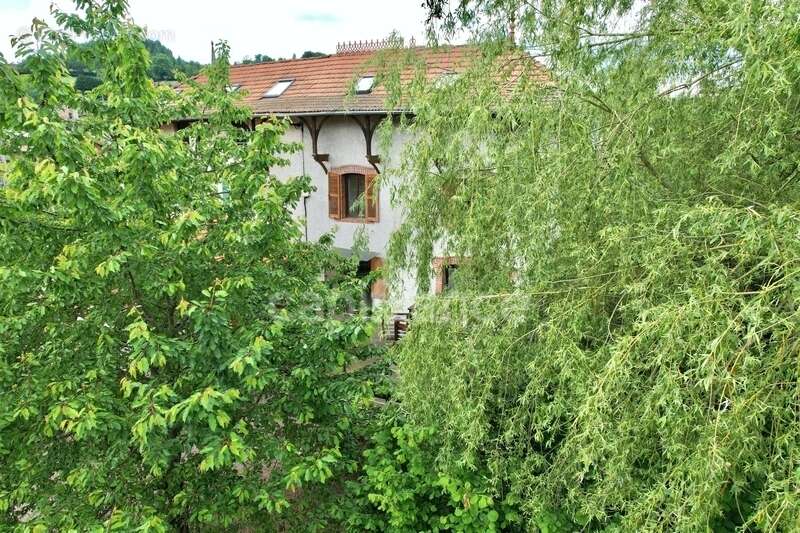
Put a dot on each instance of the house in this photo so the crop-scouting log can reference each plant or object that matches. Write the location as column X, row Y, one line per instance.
column 335, row 107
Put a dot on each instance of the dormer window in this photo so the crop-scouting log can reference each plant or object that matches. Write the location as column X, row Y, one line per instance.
column 278, row 89
column 364, row 84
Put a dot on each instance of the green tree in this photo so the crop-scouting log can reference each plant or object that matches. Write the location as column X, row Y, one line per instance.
column 401, row 488
column 164, row 65
column 259, row 58
column 85, row 82
column 161, row 68
column 82, row 64
column 621, row 345
column 170, row 356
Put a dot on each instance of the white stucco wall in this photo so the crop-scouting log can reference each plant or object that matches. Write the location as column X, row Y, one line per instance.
column 343, row 140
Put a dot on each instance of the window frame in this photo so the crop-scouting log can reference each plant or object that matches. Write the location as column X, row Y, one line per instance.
column 441, row 266
column 360, row 199
column 447, row 276
column 337, row 194
column 288, row 81
column 363, row 89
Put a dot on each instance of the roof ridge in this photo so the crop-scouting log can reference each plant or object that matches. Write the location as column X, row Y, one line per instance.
column 436, row 48
column 297, row 59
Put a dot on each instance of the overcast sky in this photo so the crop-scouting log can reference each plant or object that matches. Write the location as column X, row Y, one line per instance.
column 272, row 27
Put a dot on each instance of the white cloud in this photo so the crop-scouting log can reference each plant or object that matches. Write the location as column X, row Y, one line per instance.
column 271, row 27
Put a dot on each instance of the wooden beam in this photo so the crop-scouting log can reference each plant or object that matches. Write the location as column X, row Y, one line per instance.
column 314, row 125
column 368, row 127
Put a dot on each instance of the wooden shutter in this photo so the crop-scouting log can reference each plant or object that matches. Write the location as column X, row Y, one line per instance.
column 335, row 195
column 438, row 272
column 371, row 197
column 379, row 285
column 440, row 264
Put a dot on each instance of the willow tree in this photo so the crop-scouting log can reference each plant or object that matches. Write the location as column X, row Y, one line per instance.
column 170, row 357
column 620, row 349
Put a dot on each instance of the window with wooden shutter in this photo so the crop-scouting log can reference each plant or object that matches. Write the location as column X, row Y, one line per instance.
column 371, row 197
column 353, row 194
column 335, row 195
column 443, row 269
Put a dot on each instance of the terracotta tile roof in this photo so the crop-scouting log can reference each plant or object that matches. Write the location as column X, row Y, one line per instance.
column 323, row 85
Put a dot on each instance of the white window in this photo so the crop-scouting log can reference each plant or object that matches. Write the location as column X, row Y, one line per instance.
column 365, row 84
column 233, row 88
column 278, row 89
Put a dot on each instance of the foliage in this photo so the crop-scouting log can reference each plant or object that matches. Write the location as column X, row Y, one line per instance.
column 170, row 357
column 164, row 64
column 401, row 489
column 263, row 58
column 86, row 81
column 259, row 58
column 83, row 64
column 622, row 342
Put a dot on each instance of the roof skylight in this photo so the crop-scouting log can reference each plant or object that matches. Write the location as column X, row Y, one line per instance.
column 365, row 84
column 445, row 79
column 278, row 89
column 233, row 88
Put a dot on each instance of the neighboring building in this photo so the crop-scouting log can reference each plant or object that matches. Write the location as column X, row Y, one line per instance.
column 340, row 153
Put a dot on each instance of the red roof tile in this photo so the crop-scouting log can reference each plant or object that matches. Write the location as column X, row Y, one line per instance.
column 323, row 85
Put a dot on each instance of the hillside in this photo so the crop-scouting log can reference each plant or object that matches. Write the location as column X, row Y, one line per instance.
column 163, row 65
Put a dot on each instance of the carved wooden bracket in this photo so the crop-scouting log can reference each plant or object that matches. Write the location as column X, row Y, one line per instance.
column 314, row 125
column 368, row 127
